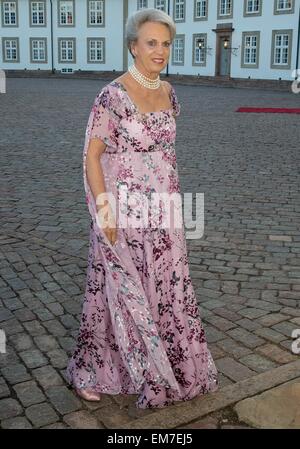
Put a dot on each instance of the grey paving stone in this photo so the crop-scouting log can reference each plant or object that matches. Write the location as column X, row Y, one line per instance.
column 4, row 390
column 67, row 343
column 264, row 305
column 223, row 380
column 46, row 342
column 15, row 373
column 72, row 307
column 69, row 322
column 43, row 314
column 9, row 408
column 9, row 358
column 276, row 354
column 5, row 315
column 56, row 425
column 233, row 369
column 82, row 420
column 270, row 334
column 213, row 335
column 220, row 323
column 21, row 342
column 24, row 314
column 33, row 358
column 47, row 376
column 13, row 304
column 29, row 393
column 250, row 325
column 41, row 414
column 12, row 327
column 55, row 328
column 286, row 328
column 212, row 304
column 228, row 314
column 231, row 347
column 247, row 338
column 252, row 313
column 34, row 328
column 16, row 423
column 58, row 358
column 45, row 297
column 63, row 400
column 258, row 363
column 272, row 318
column 112, row 417
column 287, row 344
column 56, row 308
column 216, row 351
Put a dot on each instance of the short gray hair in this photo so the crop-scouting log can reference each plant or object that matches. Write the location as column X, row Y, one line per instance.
column 138, row 18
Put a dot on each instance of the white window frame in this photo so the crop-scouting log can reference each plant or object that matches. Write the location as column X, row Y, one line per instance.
column 200, row 6
column 66, row 7
column 10, row 13
column 253, row 3
column 38, row 4
column 142, row 4
column 226, row 7
column 199, row 51
column 179, row 10
column 95, row 50
column 160, row 5
column 178, row 49
column 39, row 49
column 250, row 49
column 99, row 12
column 284, row 4
column 281, row 49
column 67, row 49
column 11, row 48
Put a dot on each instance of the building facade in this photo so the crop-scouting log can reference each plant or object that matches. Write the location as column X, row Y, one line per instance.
column 232, row 38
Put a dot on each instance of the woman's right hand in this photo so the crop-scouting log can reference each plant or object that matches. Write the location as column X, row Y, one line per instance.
column 107, row 222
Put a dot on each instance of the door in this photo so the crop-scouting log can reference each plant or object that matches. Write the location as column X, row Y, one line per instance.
column 225, row 54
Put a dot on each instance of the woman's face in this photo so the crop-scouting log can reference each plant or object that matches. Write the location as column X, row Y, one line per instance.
column 152, row 49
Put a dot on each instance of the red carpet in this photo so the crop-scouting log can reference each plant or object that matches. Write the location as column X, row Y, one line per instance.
column 271, row 110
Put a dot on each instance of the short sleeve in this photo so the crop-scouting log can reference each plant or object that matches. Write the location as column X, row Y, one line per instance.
column 106, row 117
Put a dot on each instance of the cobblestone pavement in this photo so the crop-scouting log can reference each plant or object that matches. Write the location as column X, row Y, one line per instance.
column 245, row 268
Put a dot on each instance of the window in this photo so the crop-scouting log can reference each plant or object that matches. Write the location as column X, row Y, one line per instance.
column 252, row 8
column 160, row 4
column 10, row 13
column 67, row 50
column 199, row 46
column 66, row 13
column 95, row 50
column 37, row 13
column 38, row 50
column 11, row 49
column 250, row 49
column 201, row 8
column 281, row 49
column 96, row 13
column 141, row 4
column 225, row 9
column 179, row 10
column 284, row 6
column 178, row 50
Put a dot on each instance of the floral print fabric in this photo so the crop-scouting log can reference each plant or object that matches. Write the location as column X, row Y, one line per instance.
column 140, row 330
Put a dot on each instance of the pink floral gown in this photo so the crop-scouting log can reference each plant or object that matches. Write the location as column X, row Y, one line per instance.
column 140, row 330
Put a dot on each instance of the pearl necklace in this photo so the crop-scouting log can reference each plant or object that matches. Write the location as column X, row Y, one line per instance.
column 142, row 79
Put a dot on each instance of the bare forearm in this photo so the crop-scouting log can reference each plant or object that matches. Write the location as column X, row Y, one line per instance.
column 95, row 175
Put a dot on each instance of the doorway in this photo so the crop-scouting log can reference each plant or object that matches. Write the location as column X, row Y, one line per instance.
column 223, row 55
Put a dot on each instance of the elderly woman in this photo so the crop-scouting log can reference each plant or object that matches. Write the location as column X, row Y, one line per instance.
column 140, row 330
